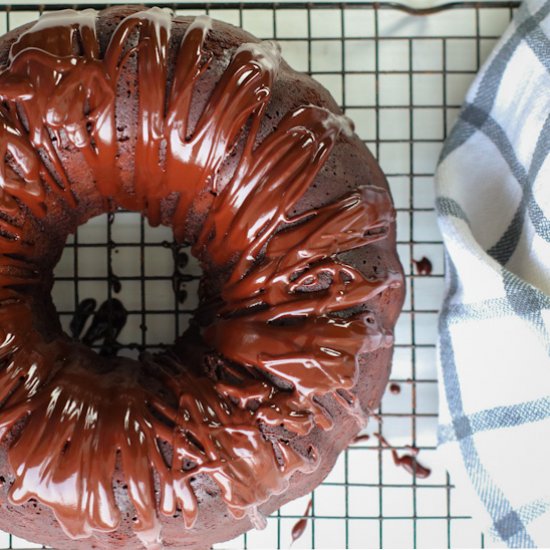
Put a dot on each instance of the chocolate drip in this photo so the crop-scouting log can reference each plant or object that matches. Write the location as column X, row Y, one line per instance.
column 114, row 282
column 107, row 323
column 84, row 310
column 274, row 321
column 300, row 526
column 179, row 277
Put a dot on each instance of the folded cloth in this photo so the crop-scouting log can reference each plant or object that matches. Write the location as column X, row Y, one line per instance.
column 493, row 205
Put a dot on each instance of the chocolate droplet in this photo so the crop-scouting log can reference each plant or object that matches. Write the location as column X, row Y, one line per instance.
column 423, row 266
column 395, row 388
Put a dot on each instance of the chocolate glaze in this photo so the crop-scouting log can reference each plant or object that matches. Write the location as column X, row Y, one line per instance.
column 291, row 313
column 395, row 388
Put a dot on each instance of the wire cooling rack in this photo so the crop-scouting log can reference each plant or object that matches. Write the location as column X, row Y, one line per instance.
column 401, row 75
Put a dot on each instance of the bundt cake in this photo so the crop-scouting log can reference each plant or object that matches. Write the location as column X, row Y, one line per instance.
column 200, row 127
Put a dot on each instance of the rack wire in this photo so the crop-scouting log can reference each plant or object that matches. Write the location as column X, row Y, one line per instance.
column 400, row 74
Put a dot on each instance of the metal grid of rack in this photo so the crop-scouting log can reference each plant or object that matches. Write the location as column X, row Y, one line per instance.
column 401, row 75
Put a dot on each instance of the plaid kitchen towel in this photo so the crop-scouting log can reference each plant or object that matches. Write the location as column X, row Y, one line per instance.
column 493, row 204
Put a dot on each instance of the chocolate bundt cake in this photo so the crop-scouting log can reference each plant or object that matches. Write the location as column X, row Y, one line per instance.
column 200, row 127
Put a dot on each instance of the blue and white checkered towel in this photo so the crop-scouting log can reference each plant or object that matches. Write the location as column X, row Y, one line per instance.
column 493, row 202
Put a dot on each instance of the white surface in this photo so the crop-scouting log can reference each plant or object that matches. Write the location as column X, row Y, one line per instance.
column 428, row 101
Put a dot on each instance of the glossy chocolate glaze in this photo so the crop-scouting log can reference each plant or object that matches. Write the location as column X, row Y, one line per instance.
column 289, row 318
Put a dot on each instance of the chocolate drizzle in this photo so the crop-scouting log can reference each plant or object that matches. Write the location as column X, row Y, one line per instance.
column 275, row 320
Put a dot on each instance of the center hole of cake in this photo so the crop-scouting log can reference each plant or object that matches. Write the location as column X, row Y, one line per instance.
column 123, row 287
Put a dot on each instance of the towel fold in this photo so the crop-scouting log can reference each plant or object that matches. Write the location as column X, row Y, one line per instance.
column 493, row 204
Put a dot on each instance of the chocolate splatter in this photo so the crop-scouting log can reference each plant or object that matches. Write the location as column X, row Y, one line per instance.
column 423, row 266
column 300, row 526
column 82, row 313
column 395, row 388
column 180, row 278
column 360, row 437
column 107, row 324
column 408, row 462
column 114, row 282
